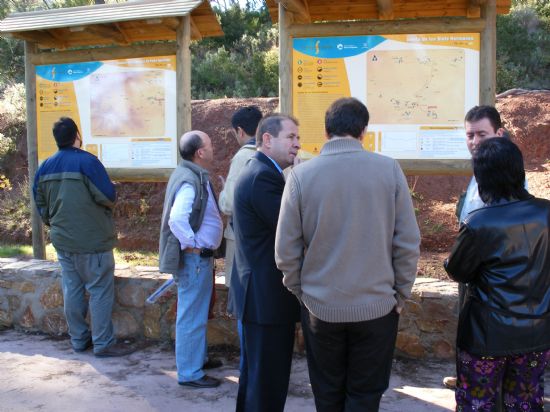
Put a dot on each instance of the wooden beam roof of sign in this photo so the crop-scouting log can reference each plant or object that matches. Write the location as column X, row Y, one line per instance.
column 108, row 24
column 309, row 11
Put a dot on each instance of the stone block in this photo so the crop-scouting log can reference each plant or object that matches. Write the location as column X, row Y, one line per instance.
column 54, row 324
column 406, row 323
column 27, row 320
column 25, row 287
column 299, row 340
column 6, row 284
column 412, row 307
column 410, row 345
column 124, row 324
column 442, row 349
column 432, row 325
column 52, row 296
column 151, row 322
column 171, row 312
column 131, row 295
column 14, row 302
column 438, row 308
column 6, row 318
column 221, row 332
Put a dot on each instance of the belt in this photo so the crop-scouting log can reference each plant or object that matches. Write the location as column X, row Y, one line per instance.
column 202, row 252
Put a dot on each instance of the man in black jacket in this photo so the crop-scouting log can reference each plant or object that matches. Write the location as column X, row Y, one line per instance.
column 269, row 312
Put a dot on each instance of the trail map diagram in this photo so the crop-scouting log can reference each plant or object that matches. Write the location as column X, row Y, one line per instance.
column 127, row 104
column 408, row 87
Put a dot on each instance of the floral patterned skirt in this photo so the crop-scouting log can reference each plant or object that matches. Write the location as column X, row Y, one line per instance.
column 516, row 382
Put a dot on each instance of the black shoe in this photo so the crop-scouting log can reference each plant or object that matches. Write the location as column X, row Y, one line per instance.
column 86, row 346
column 116, row 349
column 204, row 382
column 212, row 363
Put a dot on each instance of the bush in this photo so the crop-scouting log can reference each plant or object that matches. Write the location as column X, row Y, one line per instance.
column 15, row 214
column 523, row 48
column 12, row 119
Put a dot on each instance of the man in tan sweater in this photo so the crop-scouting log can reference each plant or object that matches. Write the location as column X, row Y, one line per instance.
column 348, row 244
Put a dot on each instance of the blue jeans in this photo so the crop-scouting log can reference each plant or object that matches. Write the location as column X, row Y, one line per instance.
column 195, row 284
column 92, row 272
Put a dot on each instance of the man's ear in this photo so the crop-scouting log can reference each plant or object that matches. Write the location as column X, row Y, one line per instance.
column 266, row 139
column 500, row 132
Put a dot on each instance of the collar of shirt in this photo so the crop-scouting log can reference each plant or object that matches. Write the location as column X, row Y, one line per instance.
column 275, row 163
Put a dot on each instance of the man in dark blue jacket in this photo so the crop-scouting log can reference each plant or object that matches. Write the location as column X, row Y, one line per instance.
column 269, row 312
column 75, row 197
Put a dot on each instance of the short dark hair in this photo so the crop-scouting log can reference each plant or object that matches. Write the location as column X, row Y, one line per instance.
column 247, row 118
column 499, row 172
column 272, row 124
column 477, row 113
column 64, row 132
column 346, row 116
column 189, row 146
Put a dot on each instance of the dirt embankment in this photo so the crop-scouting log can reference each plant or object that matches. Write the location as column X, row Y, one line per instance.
column 526, row 116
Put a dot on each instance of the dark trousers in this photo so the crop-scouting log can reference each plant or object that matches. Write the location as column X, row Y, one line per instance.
column 349, row 363
column 265, row 372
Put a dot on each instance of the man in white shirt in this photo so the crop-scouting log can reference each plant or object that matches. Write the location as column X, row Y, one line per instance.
column 481, row 123
column 191, row 229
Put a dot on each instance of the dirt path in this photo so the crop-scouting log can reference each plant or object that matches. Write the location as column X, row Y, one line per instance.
column 41, row 374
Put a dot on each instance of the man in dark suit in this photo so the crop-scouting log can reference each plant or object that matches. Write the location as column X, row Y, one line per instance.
column 268, row 311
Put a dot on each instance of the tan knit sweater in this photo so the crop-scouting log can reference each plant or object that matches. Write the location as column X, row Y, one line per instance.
column 347, row 239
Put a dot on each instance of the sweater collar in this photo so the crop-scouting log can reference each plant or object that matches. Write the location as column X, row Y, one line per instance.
column 341, row 146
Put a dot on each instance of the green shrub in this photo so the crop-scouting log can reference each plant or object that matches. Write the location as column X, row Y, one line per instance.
column 523, row 47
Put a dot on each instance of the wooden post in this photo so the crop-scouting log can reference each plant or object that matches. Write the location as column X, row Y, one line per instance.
column 38, row 244
column 285, row 61
column 183, row 77
column 488, row 54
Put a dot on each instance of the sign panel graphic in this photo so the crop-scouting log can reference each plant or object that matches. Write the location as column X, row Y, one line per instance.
column 125, row 109
column 417, row 89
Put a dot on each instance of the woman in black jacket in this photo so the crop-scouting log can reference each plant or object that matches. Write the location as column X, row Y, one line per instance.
column 503, row 253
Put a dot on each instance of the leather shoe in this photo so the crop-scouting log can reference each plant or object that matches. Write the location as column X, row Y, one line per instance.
column 212, row 363
column 204, row 382
column 86, row 346
column 116, row 349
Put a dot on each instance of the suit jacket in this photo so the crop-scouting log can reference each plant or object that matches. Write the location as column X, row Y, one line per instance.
column 256, row 284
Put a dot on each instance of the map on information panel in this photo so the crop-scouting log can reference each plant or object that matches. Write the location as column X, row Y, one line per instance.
column 417, row 89
column 127, row 104
column 125, row 109
column 430, row 86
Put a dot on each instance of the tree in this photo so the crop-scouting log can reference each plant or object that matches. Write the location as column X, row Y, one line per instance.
column 523, row 46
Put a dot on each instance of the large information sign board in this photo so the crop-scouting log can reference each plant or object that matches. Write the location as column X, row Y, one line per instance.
column 125, row 109
column 417, row 89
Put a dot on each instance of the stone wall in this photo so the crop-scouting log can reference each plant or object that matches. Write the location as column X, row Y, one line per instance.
column 31, row 299
column 427, row 327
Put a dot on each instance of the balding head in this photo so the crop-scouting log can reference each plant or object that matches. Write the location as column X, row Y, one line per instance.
column 196, row 146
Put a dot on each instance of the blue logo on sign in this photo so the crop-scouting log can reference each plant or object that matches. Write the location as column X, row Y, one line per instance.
column 337, row 47
column 67, row 72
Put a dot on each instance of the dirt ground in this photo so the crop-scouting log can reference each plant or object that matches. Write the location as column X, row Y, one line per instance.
column 38, row 373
